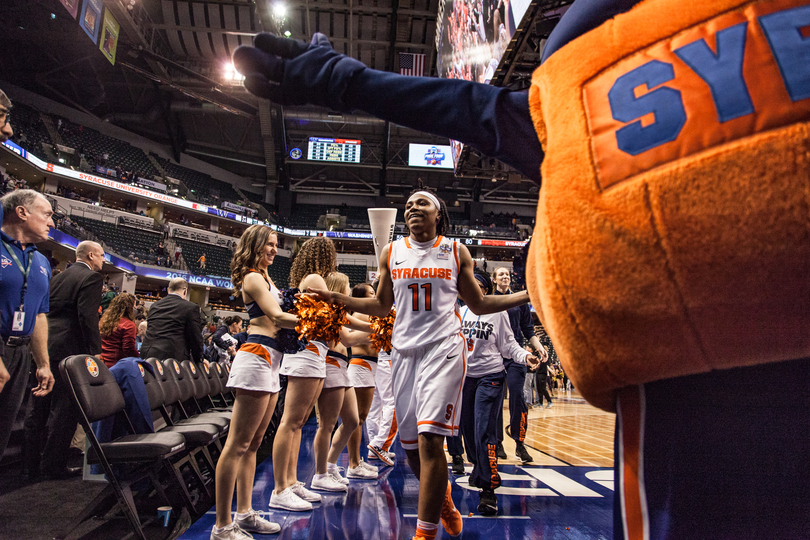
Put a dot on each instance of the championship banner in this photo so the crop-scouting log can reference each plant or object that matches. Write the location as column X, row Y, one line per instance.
column 109, row 36
column 382, row 221
column 72, row 6
column 91, row 18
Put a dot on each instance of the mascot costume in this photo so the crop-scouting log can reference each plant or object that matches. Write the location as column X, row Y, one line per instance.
column 670, row 261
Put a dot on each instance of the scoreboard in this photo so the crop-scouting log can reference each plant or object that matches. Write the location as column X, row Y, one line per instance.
column 337, row 150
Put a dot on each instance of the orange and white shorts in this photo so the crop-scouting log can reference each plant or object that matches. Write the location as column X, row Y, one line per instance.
column 255, row 366
column 337, row 370
column 427, row 383
column 362, row 370
column 311, row 362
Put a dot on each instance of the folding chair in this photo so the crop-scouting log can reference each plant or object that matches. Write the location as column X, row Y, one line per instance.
column 97, row 396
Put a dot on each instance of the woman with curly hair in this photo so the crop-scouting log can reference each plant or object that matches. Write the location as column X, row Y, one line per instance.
column 305, row 372
column 337, row 398
column 118, row 330
column 254, row 377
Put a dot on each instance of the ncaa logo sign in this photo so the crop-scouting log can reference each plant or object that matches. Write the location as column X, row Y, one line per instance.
column 160, row 367
column 141, row 368
column 193, row 369
column 206, row 369
column 176, row 367
column 92, row 367
column 219, row 369
column 4, row 262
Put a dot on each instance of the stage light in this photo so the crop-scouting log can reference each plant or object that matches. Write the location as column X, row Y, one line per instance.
column 279, row 10
column 287, row 33
column 231, row 75
column 53, row 16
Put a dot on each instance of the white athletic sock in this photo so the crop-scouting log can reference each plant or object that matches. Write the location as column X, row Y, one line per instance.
column 428, row 530
column 330, row 467
column 242, row 516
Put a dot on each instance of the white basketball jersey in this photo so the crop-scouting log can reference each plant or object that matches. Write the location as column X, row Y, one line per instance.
column 425, row 290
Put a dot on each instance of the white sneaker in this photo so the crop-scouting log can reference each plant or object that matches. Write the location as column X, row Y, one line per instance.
column 361, row 473
column 327, row 482
column 255, row 522
column 299, row 489
column 335, row 472
column 369, row 467
column 288, row 500
column 229, row 532
column 392, row 456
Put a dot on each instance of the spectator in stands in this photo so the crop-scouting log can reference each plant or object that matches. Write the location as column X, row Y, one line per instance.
column 165, row 230
column 107, row 294
column 118, row 332
column 201, row 261
column 25, row 217
column 177, row 251
column 223, row 338
column 141, row 330
column 173, row 329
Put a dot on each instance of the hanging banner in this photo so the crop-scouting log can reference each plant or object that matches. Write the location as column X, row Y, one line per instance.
column 109, row 36
column 72, row 6
column 91, row 18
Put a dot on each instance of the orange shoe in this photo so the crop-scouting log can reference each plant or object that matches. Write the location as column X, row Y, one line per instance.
column 451, row 517
column 422, row 534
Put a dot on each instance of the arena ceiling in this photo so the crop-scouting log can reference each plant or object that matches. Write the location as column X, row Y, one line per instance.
column 171, row 83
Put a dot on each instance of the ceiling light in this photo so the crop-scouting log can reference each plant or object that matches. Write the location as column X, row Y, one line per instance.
column 279, row 10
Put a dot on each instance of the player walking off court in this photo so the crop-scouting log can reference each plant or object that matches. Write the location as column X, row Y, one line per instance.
column 425, row 273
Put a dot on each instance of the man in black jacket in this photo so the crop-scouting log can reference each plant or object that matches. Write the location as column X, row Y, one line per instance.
column 72, row 329
column 173, row 326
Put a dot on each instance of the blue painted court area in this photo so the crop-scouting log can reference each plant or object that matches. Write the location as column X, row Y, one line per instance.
column 534, row 503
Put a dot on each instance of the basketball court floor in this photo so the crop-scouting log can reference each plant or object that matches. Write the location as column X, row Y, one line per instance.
column 566, row 493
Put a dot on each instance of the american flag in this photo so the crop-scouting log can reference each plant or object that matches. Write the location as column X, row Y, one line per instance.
column 412, row 64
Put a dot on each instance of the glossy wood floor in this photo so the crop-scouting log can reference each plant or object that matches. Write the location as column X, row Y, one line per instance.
column 565, row 494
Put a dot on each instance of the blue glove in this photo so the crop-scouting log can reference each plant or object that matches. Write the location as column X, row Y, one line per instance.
column 291, row 72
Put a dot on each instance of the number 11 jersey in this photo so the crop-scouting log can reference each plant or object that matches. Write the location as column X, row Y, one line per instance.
column 425, row 278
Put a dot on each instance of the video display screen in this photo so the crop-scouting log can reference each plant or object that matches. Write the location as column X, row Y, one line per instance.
column 339, row 150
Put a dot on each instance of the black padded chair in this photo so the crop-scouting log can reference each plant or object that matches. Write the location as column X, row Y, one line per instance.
column 198, row 436
column 215, row 397
column 227, row 393
column 202, row 389
column 97, row 395
column 186, row 404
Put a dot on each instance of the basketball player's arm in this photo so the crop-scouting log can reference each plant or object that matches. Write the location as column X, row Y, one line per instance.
column 469, row 291
column 256, row 287
column 378, row 306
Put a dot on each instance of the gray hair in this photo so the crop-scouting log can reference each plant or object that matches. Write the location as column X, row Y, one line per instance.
column 4, row 101
column 19, row 197
column 176, row 284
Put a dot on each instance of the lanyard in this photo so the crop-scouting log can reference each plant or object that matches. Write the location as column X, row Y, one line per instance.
column 25, row 270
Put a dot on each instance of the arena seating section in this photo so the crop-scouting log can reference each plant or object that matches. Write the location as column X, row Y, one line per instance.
column 217, row 259
column 357, row 273
column 206, row 189
column 27, row 121
column 124, row 240
column 120, row 154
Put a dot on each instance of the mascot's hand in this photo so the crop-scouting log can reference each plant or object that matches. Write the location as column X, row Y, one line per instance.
column 292, row 72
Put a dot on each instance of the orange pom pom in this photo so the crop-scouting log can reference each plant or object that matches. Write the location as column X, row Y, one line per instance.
column 319, row 320
column 382, row 328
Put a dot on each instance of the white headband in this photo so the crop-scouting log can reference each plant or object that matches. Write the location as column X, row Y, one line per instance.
column 430, row 196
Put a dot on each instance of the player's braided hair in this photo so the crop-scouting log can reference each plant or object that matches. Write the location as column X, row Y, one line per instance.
column 444, row 217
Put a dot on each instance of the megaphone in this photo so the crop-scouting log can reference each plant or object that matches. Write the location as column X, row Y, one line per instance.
column 382, row 222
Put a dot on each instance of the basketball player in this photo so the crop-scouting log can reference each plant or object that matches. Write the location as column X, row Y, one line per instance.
column 425, row 273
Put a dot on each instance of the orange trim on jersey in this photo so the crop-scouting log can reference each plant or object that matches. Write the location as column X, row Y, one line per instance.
column 390, row 249
column 257, row 349
column 311, row 347
column 438, row 241
column 407, row 243
column 439, row 424
column 392, row 433
column 455, row 254
column 359, row 362
column 403, row 441
column 631, row 437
